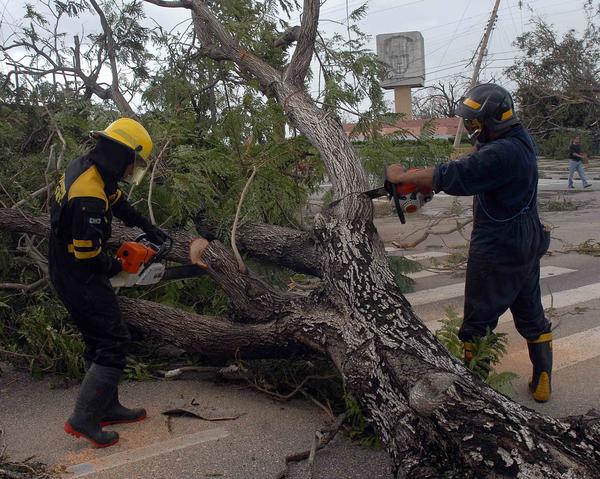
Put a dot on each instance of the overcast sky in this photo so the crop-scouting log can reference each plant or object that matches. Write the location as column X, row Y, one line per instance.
column 452, row 29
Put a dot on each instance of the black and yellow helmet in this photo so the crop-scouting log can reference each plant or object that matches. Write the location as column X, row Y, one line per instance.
column 486, row 106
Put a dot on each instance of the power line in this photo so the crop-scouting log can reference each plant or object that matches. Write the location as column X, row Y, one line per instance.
column 510, row 11
column 455, row 30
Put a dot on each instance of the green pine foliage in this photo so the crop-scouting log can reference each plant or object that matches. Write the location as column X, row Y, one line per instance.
column 400, row 266
column 38, row 335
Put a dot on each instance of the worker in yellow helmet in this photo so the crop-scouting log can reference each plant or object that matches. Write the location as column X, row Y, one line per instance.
column 81, row 213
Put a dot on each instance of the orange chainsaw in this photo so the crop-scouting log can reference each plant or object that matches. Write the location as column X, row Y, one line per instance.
column 143, row 264
column 408, row 198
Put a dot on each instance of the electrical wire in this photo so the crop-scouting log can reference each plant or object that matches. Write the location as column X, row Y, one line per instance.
column 455, row 30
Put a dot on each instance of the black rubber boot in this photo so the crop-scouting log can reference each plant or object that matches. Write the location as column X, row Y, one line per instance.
column 540, row 354
column 116, row 413
column 95, row 392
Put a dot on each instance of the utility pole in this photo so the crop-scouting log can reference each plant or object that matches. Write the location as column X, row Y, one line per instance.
column 482, row 50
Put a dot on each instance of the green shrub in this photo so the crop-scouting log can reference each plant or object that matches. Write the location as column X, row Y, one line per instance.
column 42, row 336
column 488, row 351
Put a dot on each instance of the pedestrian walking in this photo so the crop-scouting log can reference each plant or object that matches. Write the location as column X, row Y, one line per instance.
column 576, row 160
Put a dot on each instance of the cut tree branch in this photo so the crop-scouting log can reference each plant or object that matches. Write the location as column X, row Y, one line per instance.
column 291, row 248
column 26, row 288
column 289, row 36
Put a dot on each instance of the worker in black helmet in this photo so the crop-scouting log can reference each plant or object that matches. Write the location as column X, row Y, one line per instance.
column 508, row 239
column 80, row 267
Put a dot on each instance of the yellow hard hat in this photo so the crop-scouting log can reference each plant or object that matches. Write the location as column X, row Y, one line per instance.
column 129, row 133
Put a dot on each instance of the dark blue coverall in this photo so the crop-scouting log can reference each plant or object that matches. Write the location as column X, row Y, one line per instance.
column 508, row 239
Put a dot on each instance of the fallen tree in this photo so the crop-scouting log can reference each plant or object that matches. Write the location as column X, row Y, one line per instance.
column 434, row 417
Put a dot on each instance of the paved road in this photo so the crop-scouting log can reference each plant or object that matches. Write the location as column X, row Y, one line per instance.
column 254, row 445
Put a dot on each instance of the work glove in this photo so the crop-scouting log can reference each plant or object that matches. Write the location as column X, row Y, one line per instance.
column 155, row 235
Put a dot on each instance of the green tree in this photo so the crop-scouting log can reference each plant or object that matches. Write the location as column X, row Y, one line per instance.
column 558, row 87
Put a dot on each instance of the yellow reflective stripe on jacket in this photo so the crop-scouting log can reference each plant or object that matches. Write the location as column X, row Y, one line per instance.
column 87, row 254
column 83, row 243
column 89, row 184
column 60, row 190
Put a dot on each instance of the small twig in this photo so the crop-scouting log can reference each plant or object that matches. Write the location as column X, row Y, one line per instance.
column 158, row 158
column 287, row 397
column 551, row 311
column 26, row 288
column 61, row 156
column 459, row 227
column 313, row 452
column 30, row 250
column 242, row 266
column 4, row 446
column 47, row 170
column 326, row 409
column 17, row 355
column 43, row 189
column 322, row 437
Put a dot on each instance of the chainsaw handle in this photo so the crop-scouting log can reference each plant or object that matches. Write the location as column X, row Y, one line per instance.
column 398, row 206
column 164, row 248
column 161, row 250
column 395, row 191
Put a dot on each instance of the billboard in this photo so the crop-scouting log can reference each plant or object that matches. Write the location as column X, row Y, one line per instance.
column 404, row 52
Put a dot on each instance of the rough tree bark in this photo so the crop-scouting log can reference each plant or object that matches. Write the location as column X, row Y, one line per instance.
column 434, row 417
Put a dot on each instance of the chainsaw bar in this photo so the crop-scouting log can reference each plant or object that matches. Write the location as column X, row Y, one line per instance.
column 378, row 193
column 184, row 271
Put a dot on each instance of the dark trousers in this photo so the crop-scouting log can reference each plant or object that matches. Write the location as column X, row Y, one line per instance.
column 91, row 301
column 491, row 289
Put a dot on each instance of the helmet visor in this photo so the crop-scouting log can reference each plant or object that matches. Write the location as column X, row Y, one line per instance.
column 139, row 171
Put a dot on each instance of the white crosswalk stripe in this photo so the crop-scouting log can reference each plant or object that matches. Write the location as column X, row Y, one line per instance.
column 417, row 256
column 561, row 299
column 422, row 274
column 456, row 290
column 564, row 299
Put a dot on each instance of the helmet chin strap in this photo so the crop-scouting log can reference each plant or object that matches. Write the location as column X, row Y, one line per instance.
column 475, row 134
